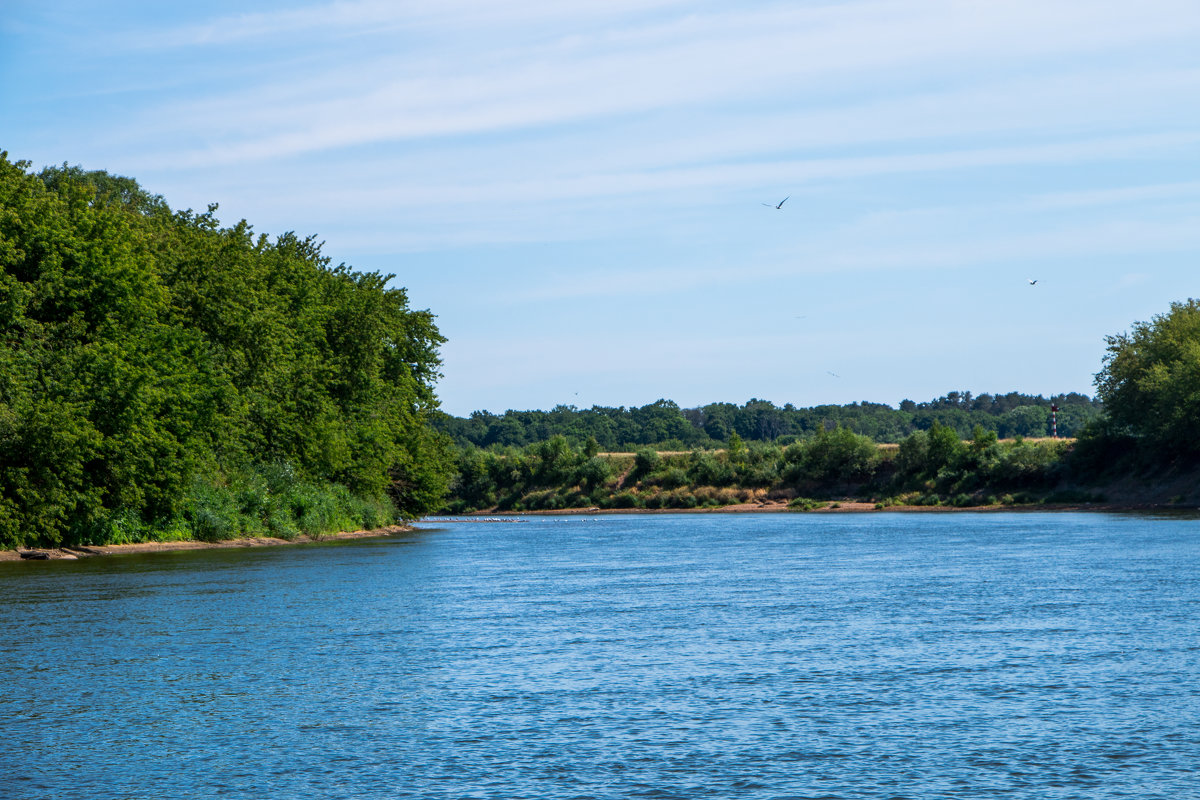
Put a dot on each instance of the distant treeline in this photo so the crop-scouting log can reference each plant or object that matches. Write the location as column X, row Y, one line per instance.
column 162, row 376
column 666, row 426
column 1144, row 443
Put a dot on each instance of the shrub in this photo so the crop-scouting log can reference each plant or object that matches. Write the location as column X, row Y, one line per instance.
column 673, row 478
column 706, row 469
column 645, row 464
column 626, row 500
column 805, row 504
column 832, row 457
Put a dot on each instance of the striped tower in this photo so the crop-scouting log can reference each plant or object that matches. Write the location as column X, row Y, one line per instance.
column 1054, row 421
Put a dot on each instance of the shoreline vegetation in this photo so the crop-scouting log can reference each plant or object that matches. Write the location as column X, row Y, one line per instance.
column 833, row 470
column 490, row 517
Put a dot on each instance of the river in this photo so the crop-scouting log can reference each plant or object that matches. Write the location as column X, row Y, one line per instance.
column 879, row 655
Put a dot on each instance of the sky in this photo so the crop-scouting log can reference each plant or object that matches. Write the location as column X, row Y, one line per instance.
column 584, row 192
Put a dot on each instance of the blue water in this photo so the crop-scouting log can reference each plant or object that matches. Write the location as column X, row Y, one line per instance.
column 687, row 656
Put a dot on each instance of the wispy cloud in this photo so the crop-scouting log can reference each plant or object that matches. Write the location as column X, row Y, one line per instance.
column 854, row 252
column 376, row 17
column 519, row 206
column 575, row 154
column 805, row 76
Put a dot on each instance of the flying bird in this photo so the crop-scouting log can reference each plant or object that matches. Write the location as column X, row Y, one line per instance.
column 781, row 202
column 1033, row 281
column 834, row 374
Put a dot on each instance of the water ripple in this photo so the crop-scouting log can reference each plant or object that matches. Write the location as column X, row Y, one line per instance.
column 787, row 656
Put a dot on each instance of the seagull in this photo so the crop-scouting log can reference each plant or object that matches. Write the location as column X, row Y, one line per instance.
column 834, row 374
column 777, row 207
column 1033, row 281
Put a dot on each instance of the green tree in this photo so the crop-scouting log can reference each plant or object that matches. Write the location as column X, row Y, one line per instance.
column 736, row 449
column 839, row 456
column 645, row 463
column 945, row 446
column 154, row 364
column 1026, row 421
column 1150, row 379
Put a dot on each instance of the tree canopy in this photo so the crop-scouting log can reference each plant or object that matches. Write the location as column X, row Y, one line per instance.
column 665, row 423
column 145, row 351
column 1150, row 379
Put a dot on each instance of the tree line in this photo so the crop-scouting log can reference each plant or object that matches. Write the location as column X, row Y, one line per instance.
column 162, row 375
column 666, row 426
column 1143, row 427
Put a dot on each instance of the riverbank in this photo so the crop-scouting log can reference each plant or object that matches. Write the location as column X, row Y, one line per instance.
column 830, row 507
column 89, row 551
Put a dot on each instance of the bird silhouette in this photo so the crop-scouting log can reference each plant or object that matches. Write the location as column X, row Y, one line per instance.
column 1033, row 281
column 777, row 207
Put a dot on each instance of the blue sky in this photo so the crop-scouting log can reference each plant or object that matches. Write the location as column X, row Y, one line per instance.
column 577, row 190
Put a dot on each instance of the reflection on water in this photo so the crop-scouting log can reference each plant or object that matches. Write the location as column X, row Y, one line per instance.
column 838, row 656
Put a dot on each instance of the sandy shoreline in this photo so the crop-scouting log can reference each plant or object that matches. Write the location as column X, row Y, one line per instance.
column 833, row 507
column 836, row 507
column 86, row 551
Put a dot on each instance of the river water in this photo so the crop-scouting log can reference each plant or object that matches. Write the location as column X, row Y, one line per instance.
column 892, row 655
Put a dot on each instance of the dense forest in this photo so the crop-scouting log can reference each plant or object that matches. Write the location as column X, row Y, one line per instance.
column 164, row 376
column 666, row 426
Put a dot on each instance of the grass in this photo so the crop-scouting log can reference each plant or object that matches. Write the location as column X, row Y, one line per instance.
column 268, row 501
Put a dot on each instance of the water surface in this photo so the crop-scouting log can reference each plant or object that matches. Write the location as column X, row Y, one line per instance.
column 676, row 656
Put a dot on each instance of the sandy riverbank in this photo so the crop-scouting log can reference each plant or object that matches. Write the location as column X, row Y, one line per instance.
column 832, row 507
column 41, row 553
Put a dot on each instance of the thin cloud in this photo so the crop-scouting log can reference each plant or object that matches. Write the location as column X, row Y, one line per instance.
column 517, row 189
column 375, row 17
column 701, row 60
column 854, row 251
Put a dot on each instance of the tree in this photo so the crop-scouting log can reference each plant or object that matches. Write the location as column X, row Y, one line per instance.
column 146, row 352
column 1025, row 421
column 839, row 456
column 736, row 449
column 944, row 447
column 1150, row 379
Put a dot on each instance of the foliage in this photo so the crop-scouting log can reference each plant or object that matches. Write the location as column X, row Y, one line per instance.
column 839, row 456
column 149, row 357
column 715, row 425
column 931, row 467
column 805, row 504
column 1150, row 379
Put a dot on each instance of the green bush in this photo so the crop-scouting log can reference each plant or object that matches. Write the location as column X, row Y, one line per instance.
column 673, row 478
column 645, row 464
column 805, row 504
column 707, row 469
